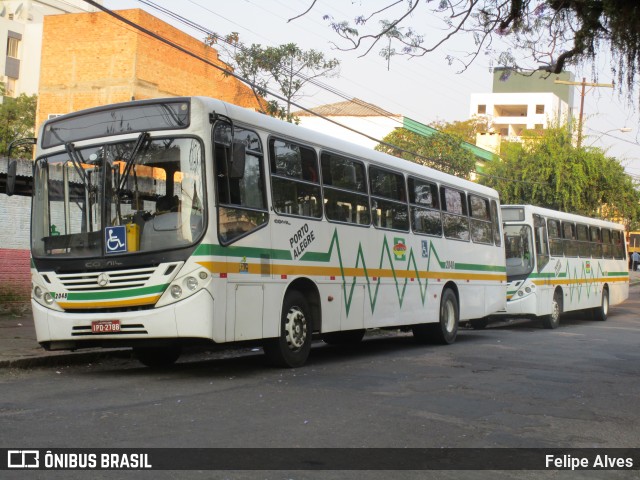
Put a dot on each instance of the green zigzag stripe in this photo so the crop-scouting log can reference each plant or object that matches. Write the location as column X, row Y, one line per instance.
column 584, row 276
column 386, row 254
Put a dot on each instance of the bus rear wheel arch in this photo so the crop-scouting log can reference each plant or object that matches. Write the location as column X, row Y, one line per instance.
column 443, row 332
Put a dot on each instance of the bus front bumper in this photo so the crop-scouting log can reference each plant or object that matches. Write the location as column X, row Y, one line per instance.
column 192, row 318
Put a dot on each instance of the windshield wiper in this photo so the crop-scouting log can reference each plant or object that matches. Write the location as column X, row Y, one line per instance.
column 142, row 139
column 77, row 161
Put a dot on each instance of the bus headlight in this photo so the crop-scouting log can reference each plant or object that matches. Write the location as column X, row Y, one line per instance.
column 191, row 283
column 37, row 291
column 176, row 291
column 185, row 285
column 48, row 299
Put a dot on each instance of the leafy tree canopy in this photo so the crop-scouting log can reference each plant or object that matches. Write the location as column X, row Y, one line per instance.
column 549, row 34
column 440, row 151
column 17, row 120
column 286, row 69
column 465, row 129
column 549, row 171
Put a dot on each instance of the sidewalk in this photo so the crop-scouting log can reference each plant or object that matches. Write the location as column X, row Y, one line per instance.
column 19, row 348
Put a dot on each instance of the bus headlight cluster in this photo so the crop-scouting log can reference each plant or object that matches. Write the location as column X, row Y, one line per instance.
column 185, row 286
column 42, row 296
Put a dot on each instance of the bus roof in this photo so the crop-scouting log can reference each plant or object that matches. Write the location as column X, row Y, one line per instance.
column 547, row 212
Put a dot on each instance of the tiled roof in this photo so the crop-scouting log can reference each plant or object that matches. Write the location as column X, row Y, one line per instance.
column 349, row 108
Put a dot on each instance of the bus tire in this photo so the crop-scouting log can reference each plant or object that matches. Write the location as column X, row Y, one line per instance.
column 552, row 320
column 157, row 357
column 445, row 331
column 601, row 313
column 479, row 323
column 291, row 349
column 347, row 337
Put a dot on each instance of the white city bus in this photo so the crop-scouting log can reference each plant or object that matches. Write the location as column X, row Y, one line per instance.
column 160, row 223
column 559, row 262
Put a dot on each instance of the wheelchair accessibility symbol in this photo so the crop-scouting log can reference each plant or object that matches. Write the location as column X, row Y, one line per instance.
column 116, row 239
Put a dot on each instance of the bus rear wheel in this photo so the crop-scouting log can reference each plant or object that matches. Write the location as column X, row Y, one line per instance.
column 291, row 349
column 157, row 357
column 602, row 312
column 553, row 319
column 445, row 331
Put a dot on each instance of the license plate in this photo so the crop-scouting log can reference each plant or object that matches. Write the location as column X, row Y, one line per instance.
column 105, row 326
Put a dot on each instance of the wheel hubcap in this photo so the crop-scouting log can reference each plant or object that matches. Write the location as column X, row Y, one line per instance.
column 449, row 315
column 295, row 328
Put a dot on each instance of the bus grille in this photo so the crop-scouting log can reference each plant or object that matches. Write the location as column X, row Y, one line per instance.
column 78, row 282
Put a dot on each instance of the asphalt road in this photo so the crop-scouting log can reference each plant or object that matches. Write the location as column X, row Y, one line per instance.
column 511, row 385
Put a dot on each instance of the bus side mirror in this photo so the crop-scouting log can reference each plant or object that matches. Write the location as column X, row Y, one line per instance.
column 238, row 154
column 11, row 177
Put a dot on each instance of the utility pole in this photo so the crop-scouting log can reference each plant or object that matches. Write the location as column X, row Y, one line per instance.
column 583, row 84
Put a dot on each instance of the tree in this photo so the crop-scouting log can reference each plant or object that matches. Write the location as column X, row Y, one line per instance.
column 465, row 129
column 549, row 171
column 551, row 34
column 286, row 69
column 441, row 151
column 17, row 120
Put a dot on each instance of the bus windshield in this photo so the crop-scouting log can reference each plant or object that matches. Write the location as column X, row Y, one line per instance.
column 120, row 198
column 519, row 248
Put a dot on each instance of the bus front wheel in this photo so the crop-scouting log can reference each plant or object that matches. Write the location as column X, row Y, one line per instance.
column 553, row 319
column 157, row 357
column 291, row 349
column 445, row 331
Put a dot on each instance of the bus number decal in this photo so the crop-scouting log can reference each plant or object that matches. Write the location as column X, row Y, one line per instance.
column 450, row 265
column 301, row 240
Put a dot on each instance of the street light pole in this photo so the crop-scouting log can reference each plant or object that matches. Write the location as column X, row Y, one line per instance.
column 583, row 84
column 602, row 134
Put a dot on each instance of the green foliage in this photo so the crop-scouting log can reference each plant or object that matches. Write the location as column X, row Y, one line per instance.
column 440, row 151
column 286, row 69
column 17, row 120
column 549, row 171
column 466, row 129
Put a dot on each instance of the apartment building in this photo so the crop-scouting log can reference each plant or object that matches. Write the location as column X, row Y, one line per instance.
column 520, row 102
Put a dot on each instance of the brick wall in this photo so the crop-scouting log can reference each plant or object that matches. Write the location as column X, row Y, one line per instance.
column 15, row 273
column 92, row 59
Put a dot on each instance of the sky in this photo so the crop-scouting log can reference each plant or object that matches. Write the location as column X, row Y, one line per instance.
column 424, row 88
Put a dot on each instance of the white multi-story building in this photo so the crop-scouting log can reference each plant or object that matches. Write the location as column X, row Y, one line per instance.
column 21, row 38
column 521, row 102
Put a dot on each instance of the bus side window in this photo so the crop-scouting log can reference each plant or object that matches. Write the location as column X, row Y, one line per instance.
column 596, row 242
column 455, row 220
column 555, row 238
column 345, row 190
column 480, row 219
column 495, row 219
column 607, row 248
column 541, row 246
column 388, row 200
column 584, row 248
column 425, row 214
column 295, row 182
column 569, row 243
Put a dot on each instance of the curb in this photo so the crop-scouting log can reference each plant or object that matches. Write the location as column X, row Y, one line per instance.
column 70, row 358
